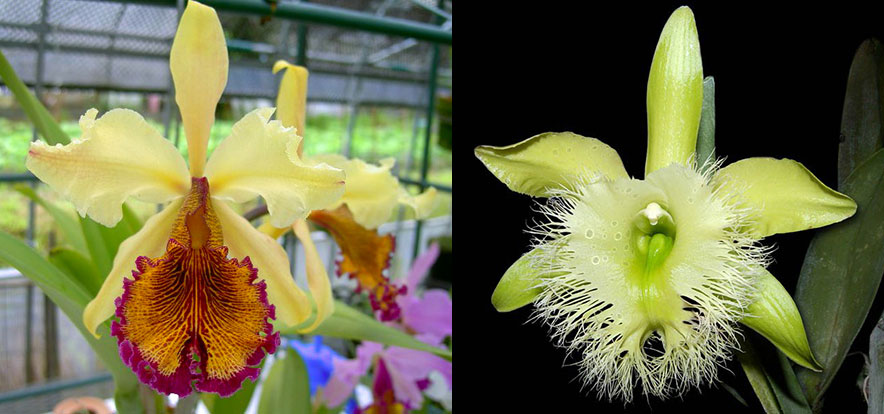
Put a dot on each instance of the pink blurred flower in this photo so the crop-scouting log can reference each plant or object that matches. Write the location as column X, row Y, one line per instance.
column 428, row 316
column 408, row 370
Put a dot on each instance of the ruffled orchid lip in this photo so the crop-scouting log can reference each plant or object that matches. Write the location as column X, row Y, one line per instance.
column 193, row 317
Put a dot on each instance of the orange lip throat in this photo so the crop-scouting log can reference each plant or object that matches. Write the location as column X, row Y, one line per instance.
column 192, row 317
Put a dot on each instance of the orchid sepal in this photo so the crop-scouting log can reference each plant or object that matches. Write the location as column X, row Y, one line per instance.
column 550, row 161
column 775, row 316
column 796, row 200
column 675, row 93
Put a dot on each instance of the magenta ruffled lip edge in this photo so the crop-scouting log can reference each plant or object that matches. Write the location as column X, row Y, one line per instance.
column 188, row 377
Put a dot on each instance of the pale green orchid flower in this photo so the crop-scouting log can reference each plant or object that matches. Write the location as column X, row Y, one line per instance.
column 646, row 280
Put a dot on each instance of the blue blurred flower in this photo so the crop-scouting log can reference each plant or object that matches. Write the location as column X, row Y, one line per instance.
column 319, row 359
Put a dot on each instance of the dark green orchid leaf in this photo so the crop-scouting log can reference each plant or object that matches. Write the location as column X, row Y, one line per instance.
column 706, row 134
column 772, row 378
column 67, row 223
column 758, row 379
column 862, row 119
column 37, row 113
column 103, row 242
column 79, row 268
column 840, row 276
column 287, row 387
column 71, row 297
column 348, row 323
column 876, row 369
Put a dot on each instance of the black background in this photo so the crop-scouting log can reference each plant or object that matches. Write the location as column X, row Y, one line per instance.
column 780, row 76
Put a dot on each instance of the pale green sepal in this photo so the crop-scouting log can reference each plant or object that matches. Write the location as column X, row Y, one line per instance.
column 784, row 196
column 675, row 93
column 775, row 316
column 519, row 285
column 550, row 161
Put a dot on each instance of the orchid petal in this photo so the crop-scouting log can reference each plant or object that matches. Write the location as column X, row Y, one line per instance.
column 150, row 241
column 431, row 314
column 421, row 268
column 407, row 366
column 291, row 102
column 775, row 316
column 292, row 305
column 784, row 195
column 119, row 155
column 550, row 161
column 423, row 204
column 675, row 93
column 260, row 158
column 345, row 375
column 198, row 61
column 371, row 191
column 317, row 278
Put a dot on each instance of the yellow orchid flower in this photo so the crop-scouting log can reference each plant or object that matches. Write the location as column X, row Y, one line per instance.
column 189, row 316
column 646, row 280
column 371, row 192
column 370, row 196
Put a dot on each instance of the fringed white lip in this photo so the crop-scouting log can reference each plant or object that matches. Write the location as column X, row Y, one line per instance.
column 667, row 328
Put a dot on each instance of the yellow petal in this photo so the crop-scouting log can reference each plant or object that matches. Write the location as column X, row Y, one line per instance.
column 291, row 102
column 292, row 304
column 273, row 232
column 119, row 155
column 199, row 69
column 150, row 241
column 550, row 161
column 784, row 195
column 260, row 158
column 317, row 278
column 371, row 192
column 423, row 204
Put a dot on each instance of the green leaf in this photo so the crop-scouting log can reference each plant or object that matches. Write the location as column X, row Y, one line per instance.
column 103, row 242
column 79, row 268
column 862, row 119
column 551, row 160
column 68, row 224
column 876, row 369
column 234, row 404
column 775, row 316
column 71, row 297
column 518, row 286
column 348, row 323
column 773, row 379
column 754, row 370
column 37, row 113
column 675, row 93
column 840, row 276
column 706, row 134
column 287, row 387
